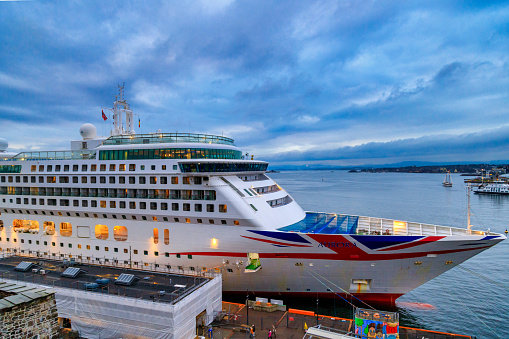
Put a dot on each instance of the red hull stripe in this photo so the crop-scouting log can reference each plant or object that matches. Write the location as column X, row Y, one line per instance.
column 275, row 242
column 374, row 298
column 336, row 256
column 414, row 243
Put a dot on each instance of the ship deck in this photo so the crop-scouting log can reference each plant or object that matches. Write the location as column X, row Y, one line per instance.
column 332, row 223
column 155, row 286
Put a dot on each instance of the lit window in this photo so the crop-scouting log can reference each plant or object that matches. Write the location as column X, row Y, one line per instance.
column 101, row 232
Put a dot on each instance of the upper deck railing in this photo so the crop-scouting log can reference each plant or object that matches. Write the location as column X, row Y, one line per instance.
column 331, row 223
column 54, row 155
column 155, row 138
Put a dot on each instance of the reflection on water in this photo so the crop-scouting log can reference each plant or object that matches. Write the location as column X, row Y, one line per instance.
column 459, row 299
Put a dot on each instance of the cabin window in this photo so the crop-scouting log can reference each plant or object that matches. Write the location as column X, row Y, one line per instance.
column 186, row 181
column 132, row 167
column 120, row 233
column 112, row 167
column 174, row 180
column 153, row 180
column 142, row 180
column 102, row 168
column 174, row 206
column 166, row 237
column 75, row 168
column 222, row 208
column 156, row 236
column 186, row 207
column 121, row 167
column 197, row 208
column 210, row 208
column 101, row 232
column 65, row 229
column 164, row 180
column 33, row 168
column 93, row 168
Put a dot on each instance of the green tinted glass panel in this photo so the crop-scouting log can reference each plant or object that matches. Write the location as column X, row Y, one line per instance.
column 10, row 168
column 171, row 153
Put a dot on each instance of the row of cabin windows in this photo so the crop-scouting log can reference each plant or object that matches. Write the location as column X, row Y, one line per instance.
column 93, row 168
column 163, row 206
column 102, row 180
column 65, row 229
column 110, row 193
column 106, row 249
column 114, row 216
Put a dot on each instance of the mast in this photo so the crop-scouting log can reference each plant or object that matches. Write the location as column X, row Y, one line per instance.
column 120, row 109
column 469, row 226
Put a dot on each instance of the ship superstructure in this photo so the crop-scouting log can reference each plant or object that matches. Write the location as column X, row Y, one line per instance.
column 191, row 202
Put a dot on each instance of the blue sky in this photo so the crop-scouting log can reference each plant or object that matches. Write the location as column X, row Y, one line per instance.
column 293, row 82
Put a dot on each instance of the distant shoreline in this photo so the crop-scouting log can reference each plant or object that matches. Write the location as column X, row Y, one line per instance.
column 465, row 170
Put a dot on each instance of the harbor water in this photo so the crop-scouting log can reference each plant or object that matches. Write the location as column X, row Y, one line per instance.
column 472, row 299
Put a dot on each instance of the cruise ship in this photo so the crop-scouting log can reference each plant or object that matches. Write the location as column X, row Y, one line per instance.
column 193, row 203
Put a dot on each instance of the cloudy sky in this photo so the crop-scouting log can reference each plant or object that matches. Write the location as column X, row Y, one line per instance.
column 293, row 82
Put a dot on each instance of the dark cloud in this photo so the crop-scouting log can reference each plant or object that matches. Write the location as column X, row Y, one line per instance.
column 276, row 75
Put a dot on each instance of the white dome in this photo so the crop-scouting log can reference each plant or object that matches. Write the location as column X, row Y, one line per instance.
column 88, row 131
column 3, row 145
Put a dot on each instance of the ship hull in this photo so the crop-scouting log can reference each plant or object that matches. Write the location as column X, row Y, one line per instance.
column 374, row 268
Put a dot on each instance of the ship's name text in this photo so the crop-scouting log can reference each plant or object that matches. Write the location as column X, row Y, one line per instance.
column 337, row 244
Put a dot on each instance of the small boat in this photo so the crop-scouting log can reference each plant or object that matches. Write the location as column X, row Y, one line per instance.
column 447, row 181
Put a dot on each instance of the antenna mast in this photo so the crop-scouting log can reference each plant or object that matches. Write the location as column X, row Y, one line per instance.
column 120, row 109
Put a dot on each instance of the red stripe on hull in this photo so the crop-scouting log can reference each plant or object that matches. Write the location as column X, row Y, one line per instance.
column 382, row 299
column 362, row 256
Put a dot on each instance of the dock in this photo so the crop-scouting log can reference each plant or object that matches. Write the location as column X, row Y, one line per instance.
column 294, row 323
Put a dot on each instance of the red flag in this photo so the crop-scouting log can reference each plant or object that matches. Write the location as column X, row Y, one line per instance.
column 104, row 116
column 139, row 123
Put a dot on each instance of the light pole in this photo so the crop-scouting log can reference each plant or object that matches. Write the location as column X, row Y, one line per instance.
column 247, row 307
column 317, row 309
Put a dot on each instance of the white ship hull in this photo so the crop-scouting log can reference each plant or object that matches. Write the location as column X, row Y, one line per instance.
column 375, row 268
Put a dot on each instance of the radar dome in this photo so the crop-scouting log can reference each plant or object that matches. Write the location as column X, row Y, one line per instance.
column 3, row 145
column 88, row 131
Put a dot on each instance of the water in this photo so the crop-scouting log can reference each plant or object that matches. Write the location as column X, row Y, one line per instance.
column 461, row 302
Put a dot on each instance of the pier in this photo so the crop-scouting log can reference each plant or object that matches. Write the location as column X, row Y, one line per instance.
column 294, row 323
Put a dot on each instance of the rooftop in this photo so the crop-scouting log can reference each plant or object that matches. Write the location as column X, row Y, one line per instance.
column 13, row 294
column 157, row 287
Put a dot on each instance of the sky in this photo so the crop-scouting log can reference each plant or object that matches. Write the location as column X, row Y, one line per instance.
column 295, row 83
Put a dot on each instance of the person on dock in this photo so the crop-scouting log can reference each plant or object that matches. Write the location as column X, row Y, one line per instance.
column 273, row 331
column 270, row 335
column 251, row 332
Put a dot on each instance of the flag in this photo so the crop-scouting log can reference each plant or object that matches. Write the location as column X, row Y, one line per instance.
column 104, row 116
column 139, row 123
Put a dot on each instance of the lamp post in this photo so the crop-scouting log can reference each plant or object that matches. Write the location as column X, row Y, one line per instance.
column 247, row 307
column 317, row 309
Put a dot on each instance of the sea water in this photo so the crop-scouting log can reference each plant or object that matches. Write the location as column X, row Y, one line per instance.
column 457, row 301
